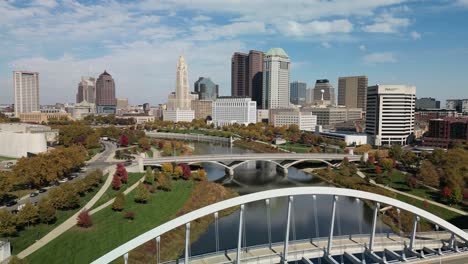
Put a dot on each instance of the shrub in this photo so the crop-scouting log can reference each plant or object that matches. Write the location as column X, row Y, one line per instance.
column 84, row 219
column 378, row 170
column 116, row 183
column 119, row 202
column 130, row 215
column 142, row 194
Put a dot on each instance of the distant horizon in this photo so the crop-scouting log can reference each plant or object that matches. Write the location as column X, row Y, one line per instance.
column 420, row 43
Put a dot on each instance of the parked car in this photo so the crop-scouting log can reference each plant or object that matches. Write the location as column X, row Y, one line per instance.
column 63, row 180
column 16, row 211
column 34, row 194
column 70, row 178
column 10, row 203
column 42, row 190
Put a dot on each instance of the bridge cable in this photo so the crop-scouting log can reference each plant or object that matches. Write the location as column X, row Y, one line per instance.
column 401, row 234
column 338, row 217
column 380, row 217
column 316, row 223
column 216, row 231
column 267, row 203
column 363, row 260
column 244, row 233
column 293, row 220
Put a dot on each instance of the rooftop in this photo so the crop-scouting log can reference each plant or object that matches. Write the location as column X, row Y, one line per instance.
column 276, row 52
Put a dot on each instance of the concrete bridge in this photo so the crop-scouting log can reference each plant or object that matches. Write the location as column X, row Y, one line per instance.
column 194, row 137
column 375, row 247
column 232, row 161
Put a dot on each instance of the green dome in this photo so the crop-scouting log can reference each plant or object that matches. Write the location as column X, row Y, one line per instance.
column 276, row 52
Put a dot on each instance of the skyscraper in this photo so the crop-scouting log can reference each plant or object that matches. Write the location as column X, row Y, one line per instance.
column 26, row 90
column 276, row 66
column 255, row 72
column 352, row 91
column 297, row 93
column 390, row 114
column 206, row 89
column 86, row 90
column 181, row 98
column 427, row 103
column 239, row 78
column 105, row 94
column 324, row 92
column 246, row 75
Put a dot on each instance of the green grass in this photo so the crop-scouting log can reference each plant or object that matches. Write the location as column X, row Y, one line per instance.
column 2, row 158
column 296, row 147
column 28, row 236
column 111, row 193
column 92, row 152
column 110, row 229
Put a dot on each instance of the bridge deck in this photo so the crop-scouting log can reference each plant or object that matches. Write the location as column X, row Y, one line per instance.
column 314, row 249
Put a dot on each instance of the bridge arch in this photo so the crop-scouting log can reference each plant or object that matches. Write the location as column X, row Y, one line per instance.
column 304, row 160
column 245, row 161
column 286, row 192
column 212, row 162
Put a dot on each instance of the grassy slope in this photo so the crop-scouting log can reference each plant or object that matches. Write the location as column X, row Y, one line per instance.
column 2, row 158
column 110, row 229
column 111, row 193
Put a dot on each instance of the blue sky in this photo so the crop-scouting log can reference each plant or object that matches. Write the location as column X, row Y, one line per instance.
column 422, row 43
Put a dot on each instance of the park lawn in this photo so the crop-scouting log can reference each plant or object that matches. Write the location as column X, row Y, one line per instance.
column 28, row 236
column 110, row 229
column 2, row 158
column 111, row 193
column 93, row 152
column 296, row 147
column 149, row 153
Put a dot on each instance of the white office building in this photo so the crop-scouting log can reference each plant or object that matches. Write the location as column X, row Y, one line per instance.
column 305, row 120
column 275, row 90
column 390, row 114
column 231, row 110
column 178, row 115
column 26, row 86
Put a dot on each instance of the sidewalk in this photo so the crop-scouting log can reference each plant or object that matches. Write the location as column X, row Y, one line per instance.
column 70, row 222
column 461, row 212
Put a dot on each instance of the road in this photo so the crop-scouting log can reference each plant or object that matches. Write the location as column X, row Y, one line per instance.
column 97, row 162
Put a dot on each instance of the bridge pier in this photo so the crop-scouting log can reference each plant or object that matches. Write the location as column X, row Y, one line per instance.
column 140, row 164
column 365, row 156
column 230, row 172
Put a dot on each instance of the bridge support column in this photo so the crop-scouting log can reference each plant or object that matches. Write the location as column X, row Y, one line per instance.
column 158, row 248
column 285, row 171
column 187, row 243
column 230, row 172
column 332, row 223
column 413, row 232
column 351, row 152
column 374, row 225
column 126, row 258
column 140, row 164
column 286, row 238
column 365, row 156
column 239, row 236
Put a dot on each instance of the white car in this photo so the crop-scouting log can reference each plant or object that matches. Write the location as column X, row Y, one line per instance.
column 63, row 180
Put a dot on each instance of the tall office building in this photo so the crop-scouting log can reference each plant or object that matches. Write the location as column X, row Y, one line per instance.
column 86, row 90
column 390, row 114
column 324, row 93
column 234, row 110
column 352, row 91
column 276, row 65
column 105, row 94
column 26, row 90
column 297, row 93
column 206, row 89
column 425, row 103
column 255, row 76
column 459, row 105
column 181, row 98
column 246, row 75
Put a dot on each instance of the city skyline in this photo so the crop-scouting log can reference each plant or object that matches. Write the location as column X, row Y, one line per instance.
column 391, row 42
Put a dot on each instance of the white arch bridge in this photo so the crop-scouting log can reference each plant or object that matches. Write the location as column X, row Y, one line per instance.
column 232, row 161
column 416, row 246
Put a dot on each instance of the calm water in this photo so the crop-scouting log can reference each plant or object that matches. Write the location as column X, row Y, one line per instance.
column 260, row 176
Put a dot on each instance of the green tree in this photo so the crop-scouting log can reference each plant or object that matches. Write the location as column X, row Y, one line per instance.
column 178, row 171
column 149, row 176
column 46, row 211
column 28, row 214
column 428, row 174
column 456, row 197
column 395, row 152
column 8, row 223
column 167, row 167
column 387, row 165
column 142, row 194
column 119, row 202
column 409, row 159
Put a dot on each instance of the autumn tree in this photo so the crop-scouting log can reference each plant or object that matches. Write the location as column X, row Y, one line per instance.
column 363, row 148
column 28, row 215
column 167, row 167
column 144, row 143
column 149, row 176
column 121, row 173
column 46, row 211
column 378, row 170
column 178, row 171
column 409, row 159
column 387, row 164
column 446, row 193
column 428, row 174
column 119, row 202
column 142, row 194
column 456, row 197
column 84, row 219
column 395, row 152
column 186, row 171
column 116, row 182
column 8, row 223
column 370, row 162
column 64, row 197
column 123, row 141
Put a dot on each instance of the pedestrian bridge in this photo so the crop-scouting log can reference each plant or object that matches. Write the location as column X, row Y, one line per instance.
column 362, row 248
column 232, row 161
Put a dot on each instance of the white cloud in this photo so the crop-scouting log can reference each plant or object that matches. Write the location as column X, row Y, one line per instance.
column 201, row 18
column 362, row 47
column 45, row 3
column 210, row 32
column 387, row 23
column 379, row 57
column 415, row 35
column 325, row 44
column 463, row 3
column 293, row 28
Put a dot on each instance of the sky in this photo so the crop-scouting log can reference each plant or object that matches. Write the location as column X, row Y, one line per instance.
column 412, row 42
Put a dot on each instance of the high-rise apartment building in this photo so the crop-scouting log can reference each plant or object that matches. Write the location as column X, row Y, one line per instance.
column 246, row 75
column 352, row 91
column 105, row 94
column 276, row 66
column 86, row 90
column 390, row 114
column 324, row 93
column 206, row 89
column 26, row 90
column 297, row 93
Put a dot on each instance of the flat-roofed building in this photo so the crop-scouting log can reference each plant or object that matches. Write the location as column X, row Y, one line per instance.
column 230, row 110
column 444, row 132
column 39, row 118
column 306, row 121
column 202, row 108
column 352, row 91
column 329, row 116
column 26, row 90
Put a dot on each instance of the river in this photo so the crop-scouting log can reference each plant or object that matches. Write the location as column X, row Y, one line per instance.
column 351, row 218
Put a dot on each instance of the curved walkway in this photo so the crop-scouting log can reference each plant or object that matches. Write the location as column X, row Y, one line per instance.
column 70, row 222
column 455, row 210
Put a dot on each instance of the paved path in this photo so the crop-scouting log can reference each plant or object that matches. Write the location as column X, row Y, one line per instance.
column 70, row 222
column 455, row 210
